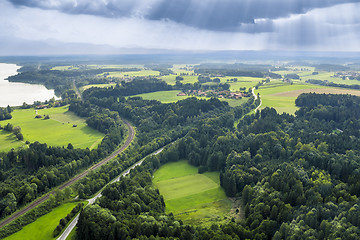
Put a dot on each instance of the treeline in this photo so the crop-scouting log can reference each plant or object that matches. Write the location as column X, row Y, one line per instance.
column 64, row 221
column 332, row 84
column 157, row 125
column 297, row 177
column 151, row 117
column 236, row 73
column 61, row 81
column 30, row 216
column 98, row 118
column 137, row 86
column 15, row 130
column 233, row 73
column 27, row 173
column 5, row 113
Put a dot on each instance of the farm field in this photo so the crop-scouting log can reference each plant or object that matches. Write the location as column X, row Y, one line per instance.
column 194, row 198
column 8, row 141
column 44, row 226
column 56, row 131
column 170, row 79
column 282, row 96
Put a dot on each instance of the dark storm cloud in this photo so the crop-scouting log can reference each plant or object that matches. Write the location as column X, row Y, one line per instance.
column 217, row 15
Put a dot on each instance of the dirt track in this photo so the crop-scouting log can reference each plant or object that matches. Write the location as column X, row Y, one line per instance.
column 73, row 180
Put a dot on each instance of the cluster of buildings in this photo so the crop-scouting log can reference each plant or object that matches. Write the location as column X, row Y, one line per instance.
column 347, row 75
column 214, row 93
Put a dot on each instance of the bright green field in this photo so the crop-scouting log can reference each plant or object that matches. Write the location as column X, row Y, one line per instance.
column 44, row 226
column 281, row 103
column 170, row 79
column 194, row 198
column 56, row 131
column 8, row 141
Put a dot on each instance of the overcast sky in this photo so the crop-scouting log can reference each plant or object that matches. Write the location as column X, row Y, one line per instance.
column 95, row 26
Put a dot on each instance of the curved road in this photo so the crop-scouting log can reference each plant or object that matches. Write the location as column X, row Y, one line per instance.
column 73, row 180
column 256, row 97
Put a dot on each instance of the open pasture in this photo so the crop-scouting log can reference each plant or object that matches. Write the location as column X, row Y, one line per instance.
column 59, row 130
column 192, row 197
column 281, row 103
column 282, row 96
column 8, row 141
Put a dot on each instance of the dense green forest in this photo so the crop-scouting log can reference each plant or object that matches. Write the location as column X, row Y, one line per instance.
column 5, row 113
column 296, row 175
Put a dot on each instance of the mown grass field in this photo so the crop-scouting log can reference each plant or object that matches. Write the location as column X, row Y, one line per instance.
column 194, row 198
column 281, row 103
column 282, row 96
column 8, row 141
column 44, row 226
column 56, row 131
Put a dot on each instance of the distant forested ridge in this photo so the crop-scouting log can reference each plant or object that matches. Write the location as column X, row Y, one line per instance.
column 60, row 80
column 296, row 175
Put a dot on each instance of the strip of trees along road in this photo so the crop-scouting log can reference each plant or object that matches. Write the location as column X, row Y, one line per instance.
column 35, row 203
column 73, row 223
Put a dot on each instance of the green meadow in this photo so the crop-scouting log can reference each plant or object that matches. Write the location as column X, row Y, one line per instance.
column 56, row 131
column 194, row 198
column 8, row 141
column 282, row 96
column 170, row 79
column 44, row 226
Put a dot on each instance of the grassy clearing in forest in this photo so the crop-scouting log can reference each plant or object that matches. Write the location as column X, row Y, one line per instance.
column 56, row 131
column 8, row 141
column 44, row 226
column 194, row 198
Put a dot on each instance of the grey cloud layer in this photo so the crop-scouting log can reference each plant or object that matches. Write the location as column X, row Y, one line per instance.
column 218, row 15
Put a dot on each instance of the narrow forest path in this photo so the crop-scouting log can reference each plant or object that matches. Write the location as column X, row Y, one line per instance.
column 256, row 97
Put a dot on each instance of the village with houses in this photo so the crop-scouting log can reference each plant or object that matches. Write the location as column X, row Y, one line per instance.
column 214, row 93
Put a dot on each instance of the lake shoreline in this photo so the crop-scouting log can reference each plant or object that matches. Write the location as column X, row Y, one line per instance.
column 16, row 93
